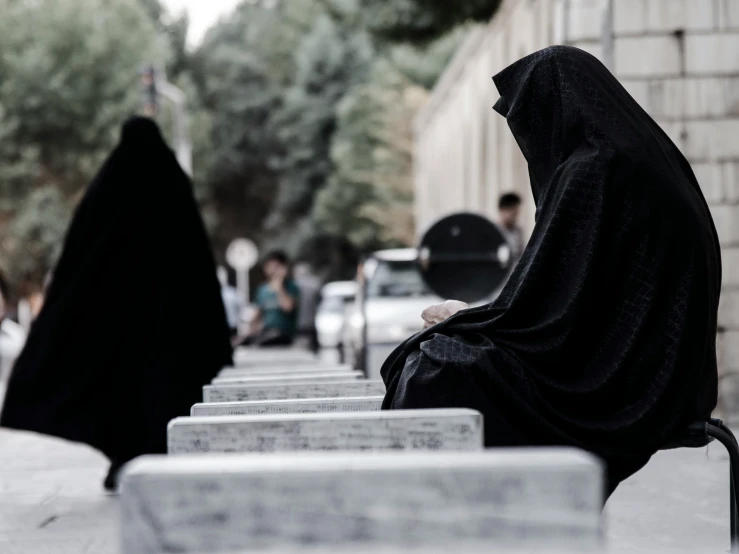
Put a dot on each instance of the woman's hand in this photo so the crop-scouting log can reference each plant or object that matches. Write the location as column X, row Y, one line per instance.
column 440, row 312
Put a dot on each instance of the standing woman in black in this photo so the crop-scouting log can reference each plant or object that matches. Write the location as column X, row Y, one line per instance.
column 133, row 324
column 604, row 338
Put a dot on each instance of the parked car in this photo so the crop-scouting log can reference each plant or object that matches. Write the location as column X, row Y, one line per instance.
column 390, row 299
column 330, row 315
column 387, row 309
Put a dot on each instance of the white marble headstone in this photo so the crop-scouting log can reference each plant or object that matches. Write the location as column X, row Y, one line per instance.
column 291, row 378
column 301, row 406
column 476, row 547
column 326, row 389
column 444, row 429
column 277, row 370
column 257, row 502
column 269, row 356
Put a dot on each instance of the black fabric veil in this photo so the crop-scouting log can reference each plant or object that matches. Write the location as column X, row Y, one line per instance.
column 604, row 337
column 133, row 324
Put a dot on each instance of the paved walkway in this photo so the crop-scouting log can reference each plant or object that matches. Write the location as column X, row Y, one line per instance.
column 51, row 501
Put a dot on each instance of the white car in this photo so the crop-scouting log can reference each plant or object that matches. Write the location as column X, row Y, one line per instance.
column 331, row 311
column 388, row 308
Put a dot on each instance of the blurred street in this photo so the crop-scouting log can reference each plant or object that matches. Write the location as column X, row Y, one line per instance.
column 51, row 501
column 350, row 173
column 51, row 498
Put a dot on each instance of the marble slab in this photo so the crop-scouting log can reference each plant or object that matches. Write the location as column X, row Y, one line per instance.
column 461, row 547
column 270, row 356
column 307, row 377
column 302, row 406
column 209, row 503
column 280, row 369
column 475, row 547
column 443, row 429
column 326, row 389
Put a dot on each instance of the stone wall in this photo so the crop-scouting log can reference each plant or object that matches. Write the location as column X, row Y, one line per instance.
column 679, row 59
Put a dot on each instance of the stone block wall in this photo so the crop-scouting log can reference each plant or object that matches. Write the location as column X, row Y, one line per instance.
column 678, row 58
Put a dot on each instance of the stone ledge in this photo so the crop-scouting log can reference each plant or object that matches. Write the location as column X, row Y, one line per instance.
column 302, row 377
column 301, row 406
column 440, row 429
column 242, row 393
column 213, row 502
column 279, row 369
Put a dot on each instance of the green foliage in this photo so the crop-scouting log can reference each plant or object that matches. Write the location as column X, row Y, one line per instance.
column 328, row 64
column 312, row 124
column 423, row 65
column 421, row 21
column 369, row 198
column 240, row 74
column 32, row 242
column 68, row 78
column 300, row 115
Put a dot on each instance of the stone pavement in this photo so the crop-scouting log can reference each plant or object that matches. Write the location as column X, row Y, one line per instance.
column 51, row 501
column 51, row 498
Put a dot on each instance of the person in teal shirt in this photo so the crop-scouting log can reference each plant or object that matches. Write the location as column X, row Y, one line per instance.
column 275, row 322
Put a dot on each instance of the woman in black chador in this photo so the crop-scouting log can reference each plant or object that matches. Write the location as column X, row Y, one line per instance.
column 604, row 337
column 133, row 324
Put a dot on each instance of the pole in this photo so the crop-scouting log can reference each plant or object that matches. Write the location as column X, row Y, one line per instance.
column 183, row 147
column 156, row 84
column 242, row 283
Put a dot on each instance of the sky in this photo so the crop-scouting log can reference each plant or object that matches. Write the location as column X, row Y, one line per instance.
column 203, row 14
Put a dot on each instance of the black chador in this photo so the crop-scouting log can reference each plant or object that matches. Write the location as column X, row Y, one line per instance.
column 605, row 336
column 133, row 324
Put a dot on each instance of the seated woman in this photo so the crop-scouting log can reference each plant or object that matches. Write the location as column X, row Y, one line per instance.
column 604, row 337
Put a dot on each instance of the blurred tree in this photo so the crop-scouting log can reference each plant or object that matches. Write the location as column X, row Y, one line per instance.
column 329, row 63
column 310, row 122
column 154, row 9
column 420, row 21
column 423, row 65
column 68, row 78
column 241, row 71
column 333, row 257
column 271, row 76
column 179, row 61
column 369, row 198
column 33, row 240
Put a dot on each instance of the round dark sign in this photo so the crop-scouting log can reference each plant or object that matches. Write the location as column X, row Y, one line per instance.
column 464, row 257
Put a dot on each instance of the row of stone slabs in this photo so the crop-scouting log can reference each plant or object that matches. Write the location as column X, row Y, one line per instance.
column 287, row 453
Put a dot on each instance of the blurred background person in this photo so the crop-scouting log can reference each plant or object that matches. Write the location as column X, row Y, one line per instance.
column 277, row 301
column 232, row 301
column 310, row 292
column 509, row 212
column 123, row 331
